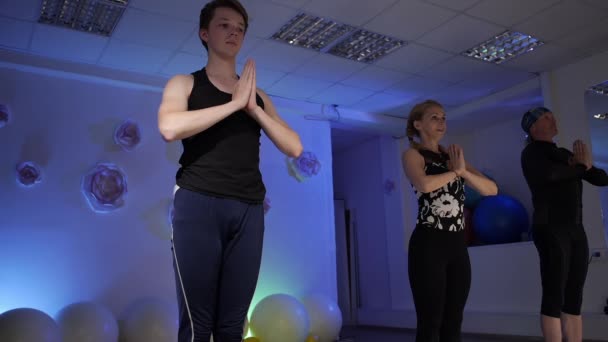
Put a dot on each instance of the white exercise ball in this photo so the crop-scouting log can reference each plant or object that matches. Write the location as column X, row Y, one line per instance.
column 87, row 322
column 28, row 325
column 279, row 318
column 325, row 317
column 149, row 320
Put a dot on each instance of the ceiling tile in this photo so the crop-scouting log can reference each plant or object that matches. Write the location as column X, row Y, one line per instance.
column 296, row 87
column 458, row 95
column 342, row 95
column 329, row 68
column 416, row 86
column 380, row 102
column 57, row 42
column 413, row 58
column 558, row 20
column 278, row 56
column 593, row 39
column 457, row 5
column 188, row 10
column 413, row 18
column 265, row 18
column 22, row 9
column 15, row 33
column 152, row 30
column 508, row 13
column 291, row 3
column 544, row 58
column 458, row 68
column 374, row 78
column 139, row 58
column 264, row 78
column 183, row 63
column 350, row 12
column 460, row 34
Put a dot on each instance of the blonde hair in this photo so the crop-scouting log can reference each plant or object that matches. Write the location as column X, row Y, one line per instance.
column 416, row 114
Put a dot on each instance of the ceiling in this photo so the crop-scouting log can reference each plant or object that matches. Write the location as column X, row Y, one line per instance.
column 157, row 38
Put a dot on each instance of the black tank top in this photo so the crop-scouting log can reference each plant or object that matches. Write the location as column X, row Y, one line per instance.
column 441, row 209
column 224, row 159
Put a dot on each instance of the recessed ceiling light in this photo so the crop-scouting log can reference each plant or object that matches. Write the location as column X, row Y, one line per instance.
column 311, row 32
column 365, row 46
column 503, row 47
column 93, row 16
column 328, row 36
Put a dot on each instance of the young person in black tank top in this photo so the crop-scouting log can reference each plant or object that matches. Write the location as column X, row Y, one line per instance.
column 555, row 177
column 438, row 261
column 218, row 222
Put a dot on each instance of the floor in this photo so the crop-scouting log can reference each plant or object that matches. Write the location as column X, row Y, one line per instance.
column 376, row 334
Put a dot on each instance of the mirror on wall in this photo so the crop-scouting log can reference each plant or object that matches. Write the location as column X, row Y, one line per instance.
column 596, row 104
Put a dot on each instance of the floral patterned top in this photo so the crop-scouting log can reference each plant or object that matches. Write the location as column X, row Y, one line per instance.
column 443, row 208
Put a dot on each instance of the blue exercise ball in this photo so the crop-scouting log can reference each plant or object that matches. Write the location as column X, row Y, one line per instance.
column 500, row 219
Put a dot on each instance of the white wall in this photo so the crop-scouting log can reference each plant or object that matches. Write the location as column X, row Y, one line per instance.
column 358, row 180
column 56, row 251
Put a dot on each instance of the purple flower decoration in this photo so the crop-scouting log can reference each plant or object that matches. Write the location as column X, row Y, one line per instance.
column 266, row 205
column 104, row 187
column 28, row 174
column 389, row 186
column 305, row 166
column 127, row 135
column 4, row 115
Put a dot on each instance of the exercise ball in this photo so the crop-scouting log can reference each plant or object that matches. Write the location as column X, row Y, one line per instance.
column 28, row 325
column 325, row 317
column 500, row 219
column 149, row 320
column 279, row 318
column 87, row 322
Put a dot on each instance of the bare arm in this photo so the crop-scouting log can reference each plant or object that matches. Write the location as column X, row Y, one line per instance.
column 283, row 137
column 279, row 132
column 175, row 122
column 472, row 177
column 413, row 166
column 479, row 182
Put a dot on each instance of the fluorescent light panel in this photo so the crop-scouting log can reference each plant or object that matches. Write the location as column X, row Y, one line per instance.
column 311, row 32
column 328, row 36
column 93, row 16
column 503, row 47
column 365, row 46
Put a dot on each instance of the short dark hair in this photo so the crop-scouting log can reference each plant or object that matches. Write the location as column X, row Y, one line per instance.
column 208, row 12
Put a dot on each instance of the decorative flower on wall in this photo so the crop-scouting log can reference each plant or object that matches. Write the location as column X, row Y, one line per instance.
column 389, row 186
column 28, row 174
column 104, row 187
column 127, row 135
column 4, row 115
column 305, row 166
column 266, row 205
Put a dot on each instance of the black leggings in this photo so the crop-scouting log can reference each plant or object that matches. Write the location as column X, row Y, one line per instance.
column 217, row 246
column 440, row 278
column 563, row 254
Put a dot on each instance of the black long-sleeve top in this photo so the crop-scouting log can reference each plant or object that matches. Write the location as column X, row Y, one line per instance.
column 556, row 185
